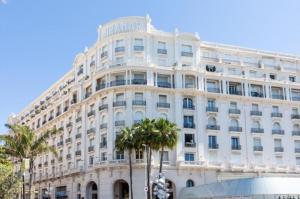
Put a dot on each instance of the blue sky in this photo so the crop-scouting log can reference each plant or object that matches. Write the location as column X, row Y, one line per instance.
column 39, row 39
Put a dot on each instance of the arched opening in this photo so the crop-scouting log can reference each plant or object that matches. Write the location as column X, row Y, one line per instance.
column 256, row 124
column 296, row 127
column 190, row 183
column 103, row 119
column 212, row 121
column 119, row 116
column 91, row 190
column 163, row 115
column 234, row 123
column 171, row 190
column 138, row 116
column 276, row 126
column 121, row 190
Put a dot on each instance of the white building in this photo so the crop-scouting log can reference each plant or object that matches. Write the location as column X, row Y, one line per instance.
column 237, row 109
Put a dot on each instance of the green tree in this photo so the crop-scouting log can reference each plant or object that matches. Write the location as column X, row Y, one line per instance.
column 126, row 141
column 167, row 136
column 23, row 143
column 9, row 181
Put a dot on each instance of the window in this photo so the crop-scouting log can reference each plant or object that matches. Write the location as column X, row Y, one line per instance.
column 190, row 183
column 295, row 111
column 272, row 76
column 292, row 78
column 256, row 142
column 297, row 144
column 235, row 143
column 138, row 96
column 103, row 156
column 188, row 121
column 91, row 160
column 275, row 109
column 139, row 154
column 277, row 143
column 256, row 124
column 162, row 45
column 212, row 141
column 120, row 155
column 186, row 48
column 212, row 121
column 138, row 42
column 189, row 157
column 120, row 97
column 252, row 73
column 210, row 68
column 211, row 103
column 91, row 141
column 189, row 139
column 298, row 161
column 276, row 126
column 233, row 105
column 165, row 156
column 78, row 187
column 254, row 107
column 120, row 43
column 162, row 98
column 234, row 123
column 187, row 103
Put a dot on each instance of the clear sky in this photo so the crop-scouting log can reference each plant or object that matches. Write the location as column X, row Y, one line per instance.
column 39, row 39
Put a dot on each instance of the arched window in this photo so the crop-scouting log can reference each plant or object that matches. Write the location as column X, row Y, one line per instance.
column 296, row 127
column 119, row 116
column 212, row 121
column 188, row 102
column 190, row 183
column 256, row 124
column 103, row 119
column 234, row 123
column 138, row 115
column 276, row 126
column 163, row 115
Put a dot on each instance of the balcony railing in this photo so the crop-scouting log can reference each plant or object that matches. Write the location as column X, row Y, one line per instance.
column 163, row 105
column 119, row 103
column 78, row 136
column 234, row 92
column 186, row 54
column 278, row 132
column 118, row 82
column 162, row 51
column 119, row 49
column 236, row 147
column 91, row 113
column 103, row 145
column 164, row 84
column 295, row 116
column 78, row 153
column 296, row 133
column 257, row 130
column 91, row 149
column 278, row 149
column 277, row 96
column 189, row 125
column 213, row 127
column 257, row 94
column 258, row 148
column 103, row 106
column 138, row 48
column 276, row 114
column 120, row 123
column 256, row 113
column 235, row 128
column 234, row 111
column 91, row 131
column 213, row 90
column 103, row 126
column 139, row 102
column 212, row 109
column 189, row 106
column 100, row 86
column 213, row 146
column 190, row 144
column 139, row 81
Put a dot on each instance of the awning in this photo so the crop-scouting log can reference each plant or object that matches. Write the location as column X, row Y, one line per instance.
column 245, row 188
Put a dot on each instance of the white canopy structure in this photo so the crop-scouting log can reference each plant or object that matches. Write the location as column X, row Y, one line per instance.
column 264, row 187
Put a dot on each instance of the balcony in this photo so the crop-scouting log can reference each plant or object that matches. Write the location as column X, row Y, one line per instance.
column 69, row 125
column 257, row 130
column 190, row 144
column 189, row 125
column 280, row 97
column 162, row 51
column 235, row 129
column 164, row 84
column 295, row 116
column 163, row 105
column 213, row 90
column 68, row 140
column 78, row 136
column 91, row 149
column 297, row 150
column 276, row 114
column 258, row 148
column 255, row 113
column 256, row 94
column 119, row 103
column 100, row 86
column 295, row 133
column 138, row 48
column 103, row 107
column 103, row 126
column 60, row 143
column 139, row 102
column 91, row 113
column 80, row 71
column 103, row 145
column 189, row 106
column 296, row 98
column 118, row 82
column 277, row 132
column 186, row 54
column 78, row 119
column 234, row 111
column 278, row 149
column 104, row 54
column 120, row 123
column 119, row 49
column 235, row 92
column 236, row 147
column 78, row 153
column 213, row 127
column 68, row 156
column 213, row 146
column 139, row 81
column 91, row 131
column 212, row 109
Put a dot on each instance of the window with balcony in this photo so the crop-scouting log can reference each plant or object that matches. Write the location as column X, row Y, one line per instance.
column 138, row 116
column 80, row 70
column 276, row 129
column 162, row 101
column 138, row 45
column 162, row 48
column 104, row 52
column 186, row 50
column 188, row 103
column 139, row 78
column 189, row 157
column 88, row 91
column 212, row 142
column 298, row 161
column 296, row 130
column 257, row 146
column 277, row 93
column 235, row 143
column 295, row 94
column 213, row 86
column 163, row 81
column 292, row 78
column 233, row 109
column 297, row 146
column 189, row 140
column 212, row 124
column 278, row 145
column 188, row 122
column 100, row 83
column 119, row 46
column 91, row 160
column 190, row 81
column 235, row 88
column 256, row 90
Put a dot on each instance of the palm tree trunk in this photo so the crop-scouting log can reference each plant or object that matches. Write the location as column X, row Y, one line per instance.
column 130, row 174
column 148, row 171
column 30, row 177
column 161, row 159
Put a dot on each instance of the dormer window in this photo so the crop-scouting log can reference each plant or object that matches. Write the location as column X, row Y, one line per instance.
column 210, row 68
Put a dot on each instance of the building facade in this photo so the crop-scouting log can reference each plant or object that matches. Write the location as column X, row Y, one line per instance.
column 237, row 109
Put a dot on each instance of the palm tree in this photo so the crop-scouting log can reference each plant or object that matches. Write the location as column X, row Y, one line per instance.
column 126, row 141
column 146, row 134
column 23, row 143
column 167, row 136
